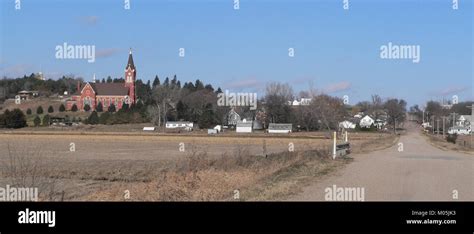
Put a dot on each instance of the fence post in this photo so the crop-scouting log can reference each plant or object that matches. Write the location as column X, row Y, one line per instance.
column 334, row 147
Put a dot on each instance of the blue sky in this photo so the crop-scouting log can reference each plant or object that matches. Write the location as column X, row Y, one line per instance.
column 336, row 50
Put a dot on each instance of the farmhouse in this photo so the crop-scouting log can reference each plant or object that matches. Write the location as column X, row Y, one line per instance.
column 244, row 126
column 91, row 93
column 26, row 95
column 366, row 122
column 464, row 121
column 279, row 128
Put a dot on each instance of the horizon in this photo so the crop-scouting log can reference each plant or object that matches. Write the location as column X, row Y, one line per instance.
column 337, row 51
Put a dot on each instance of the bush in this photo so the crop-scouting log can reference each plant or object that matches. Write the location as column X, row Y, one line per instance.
column 39, row 110
column 111, row 108
column 46, row 120
column 104, row 118
column 452, row 138
column 87, row 108
column 62, row 108
column 50, row 109
column 93, row 118
column 28, row 112
column 74, row 108
column 37, row 121
column 14, row 119
column 99, row 107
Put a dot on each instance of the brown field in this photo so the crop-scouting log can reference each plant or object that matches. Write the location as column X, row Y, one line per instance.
column 105, row 165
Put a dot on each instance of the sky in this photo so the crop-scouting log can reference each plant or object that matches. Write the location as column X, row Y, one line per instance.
column 336, row 51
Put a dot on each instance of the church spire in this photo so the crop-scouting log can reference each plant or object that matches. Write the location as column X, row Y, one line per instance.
column 130, row 61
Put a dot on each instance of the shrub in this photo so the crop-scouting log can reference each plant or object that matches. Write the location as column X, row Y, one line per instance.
column 28, row 112
column 14, row 119
column 93, row 118
column 99, row 107
column 39, row 110
column 87, row 107
column 50, row 109
column 46, row 120
column 74, row 108
column 452, row 138
column 62, row 108
column 111, row 108
column 37, row 121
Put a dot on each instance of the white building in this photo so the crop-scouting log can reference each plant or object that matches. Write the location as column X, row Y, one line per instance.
column 244, row 126
column 366, row 122
column 464, row 121
column 346, row 124
column 180, row 124
column 459, row 130
column 279, row 128
column 301, row 102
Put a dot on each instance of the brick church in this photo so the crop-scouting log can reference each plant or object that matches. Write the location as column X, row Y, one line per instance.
column 92, row 93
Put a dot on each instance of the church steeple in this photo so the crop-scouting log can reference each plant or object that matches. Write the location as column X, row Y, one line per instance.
column 130, row 61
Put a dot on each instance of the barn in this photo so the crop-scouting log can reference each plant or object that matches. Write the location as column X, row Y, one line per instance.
column 280, row 128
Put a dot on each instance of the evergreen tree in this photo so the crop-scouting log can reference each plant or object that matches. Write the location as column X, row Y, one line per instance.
column 109, row 79
column 46, row 120
column 28, row 112
column 37, row 121
column 156, row 82
column 87, row 107
column 167, row 82
column 62, row 108
column 93, row 118
column 50, row 109
column 99, row 107
column 39, row 110
column 104, row 117
column 111, row 108
column 74, row 108
column 103, row 80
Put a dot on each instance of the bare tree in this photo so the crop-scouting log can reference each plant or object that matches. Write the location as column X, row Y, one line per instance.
column 396, row 111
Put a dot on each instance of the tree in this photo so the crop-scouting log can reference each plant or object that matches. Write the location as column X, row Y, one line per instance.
column 87, row 107
column 396, row 111
column 74, row 108
column 14, row 119
column 109, row 79
column 99, row 107
column 277, row 96
column 111, row 108
column 28, row 112
column 104, row 117
column 46, row 119
column 156, row 82
column 62, row 108
column 39, row 110
column 50, row 109
column 37, row 121
column 93, row 118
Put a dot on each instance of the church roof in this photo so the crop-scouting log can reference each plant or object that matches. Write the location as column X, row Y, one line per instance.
column 110, row 89
column 130, row 61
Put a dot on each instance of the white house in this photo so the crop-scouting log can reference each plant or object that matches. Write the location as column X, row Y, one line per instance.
column 366, row 122
column 464, row 121
column 459, row 130
column 301, row 102
column 244, row 126
column 232, row 117
column 180, row 124
column 346, row 124
column 279, row 128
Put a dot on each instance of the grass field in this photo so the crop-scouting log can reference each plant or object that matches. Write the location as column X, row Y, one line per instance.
column 168, row 166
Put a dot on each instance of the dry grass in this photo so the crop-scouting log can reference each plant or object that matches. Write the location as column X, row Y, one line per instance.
column 463, row 143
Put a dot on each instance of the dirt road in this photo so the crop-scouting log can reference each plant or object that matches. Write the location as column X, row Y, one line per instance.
column 420, row 172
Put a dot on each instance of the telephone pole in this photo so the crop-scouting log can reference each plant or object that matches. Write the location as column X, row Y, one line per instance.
column 437, row 126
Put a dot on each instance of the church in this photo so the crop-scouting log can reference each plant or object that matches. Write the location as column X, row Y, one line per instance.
column 92, row 93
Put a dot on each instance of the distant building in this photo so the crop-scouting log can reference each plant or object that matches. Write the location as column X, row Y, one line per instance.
column 280, row 128
column 459, row 130
column 366, row 122
column 26, row 95
column 301, row 102
column 346, row 124
column 464, row 121
column 180, row 124
column 91, row 93
column 244, row 126
column 233, row 118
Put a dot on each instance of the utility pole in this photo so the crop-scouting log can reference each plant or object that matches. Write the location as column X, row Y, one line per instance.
column 437, row 127
column 432, row 126
column 444, row 125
